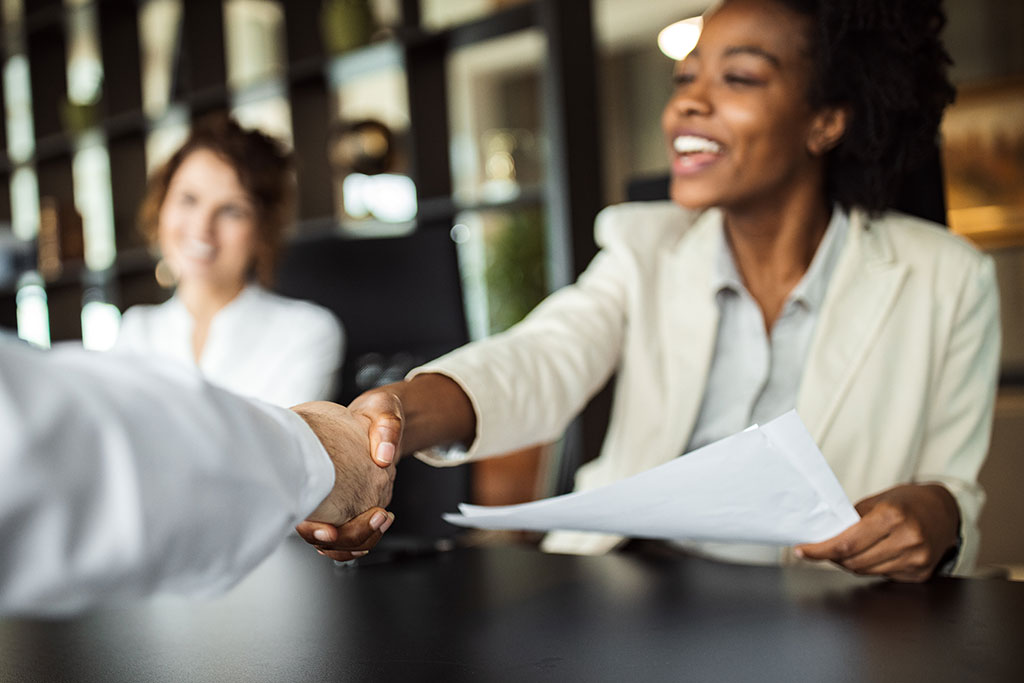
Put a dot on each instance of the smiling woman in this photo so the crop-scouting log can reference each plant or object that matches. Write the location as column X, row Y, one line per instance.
column 778, row 278
column 217, row 210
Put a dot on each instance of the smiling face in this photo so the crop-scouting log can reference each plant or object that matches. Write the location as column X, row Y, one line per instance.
column 207, row 227
column 740, row 127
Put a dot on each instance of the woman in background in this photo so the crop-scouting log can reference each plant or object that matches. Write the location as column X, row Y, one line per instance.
column 217, row 211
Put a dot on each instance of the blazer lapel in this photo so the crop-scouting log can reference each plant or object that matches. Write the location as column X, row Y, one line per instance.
column 860, row 297
column 690, row 328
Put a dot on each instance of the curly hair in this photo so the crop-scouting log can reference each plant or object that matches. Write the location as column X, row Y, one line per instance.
column 264, row 168
column 884, row 60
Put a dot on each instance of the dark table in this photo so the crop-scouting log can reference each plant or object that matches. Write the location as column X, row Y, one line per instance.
column 514, row 614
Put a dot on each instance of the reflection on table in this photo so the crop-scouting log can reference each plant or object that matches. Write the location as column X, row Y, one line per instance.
column 514, row 614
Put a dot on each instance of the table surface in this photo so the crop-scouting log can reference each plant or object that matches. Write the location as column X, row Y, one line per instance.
column 515, row 614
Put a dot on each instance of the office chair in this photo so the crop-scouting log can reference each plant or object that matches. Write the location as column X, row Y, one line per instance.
column 400, row 301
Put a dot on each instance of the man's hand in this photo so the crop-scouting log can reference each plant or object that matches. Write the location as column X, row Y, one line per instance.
column 359, row 484
column 354, row 539
column 398, row 418
column 381, row 414
column 902, row 534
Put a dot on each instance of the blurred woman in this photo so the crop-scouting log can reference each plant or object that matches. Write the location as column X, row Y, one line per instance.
column 778, row 277
column 217, row 211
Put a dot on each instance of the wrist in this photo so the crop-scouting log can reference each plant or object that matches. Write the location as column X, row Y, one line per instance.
column 437, row 412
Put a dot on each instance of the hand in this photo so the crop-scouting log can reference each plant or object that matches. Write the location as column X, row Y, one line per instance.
column 353, row 539
column 902, row 534
column 407, row 416
column 382, row 410
column 359, row 484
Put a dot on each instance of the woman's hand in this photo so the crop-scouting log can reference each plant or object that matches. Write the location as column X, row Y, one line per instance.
column 387, row 420
column 902, row 534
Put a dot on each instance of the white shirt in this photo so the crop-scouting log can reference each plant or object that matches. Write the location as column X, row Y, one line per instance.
column 755, row 376
column 261, row 344
column 122, row 479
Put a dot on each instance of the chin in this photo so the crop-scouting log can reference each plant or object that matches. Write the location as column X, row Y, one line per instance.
column 688, row 198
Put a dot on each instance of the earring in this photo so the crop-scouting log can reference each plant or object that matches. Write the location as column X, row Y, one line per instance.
column 165, row 275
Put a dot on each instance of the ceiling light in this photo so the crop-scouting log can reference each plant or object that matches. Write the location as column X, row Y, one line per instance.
column 676, row 40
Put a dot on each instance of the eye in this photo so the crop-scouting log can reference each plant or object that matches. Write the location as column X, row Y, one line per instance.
column 742, row 80
column 234, row 212
column 187, row 199
column 682, row 79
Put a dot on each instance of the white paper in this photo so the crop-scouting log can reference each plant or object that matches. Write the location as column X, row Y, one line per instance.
column 767, row 484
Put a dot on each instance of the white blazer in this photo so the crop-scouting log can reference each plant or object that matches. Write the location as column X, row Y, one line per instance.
column 899, row 383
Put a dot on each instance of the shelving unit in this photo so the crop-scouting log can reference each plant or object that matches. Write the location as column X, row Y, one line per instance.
column 570, row 193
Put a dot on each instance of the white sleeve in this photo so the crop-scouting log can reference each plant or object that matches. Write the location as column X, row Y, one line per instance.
column 960, row 424
column 122, row 477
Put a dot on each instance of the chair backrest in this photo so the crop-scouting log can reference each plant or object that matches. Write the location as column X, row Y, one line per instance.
column 400, row 300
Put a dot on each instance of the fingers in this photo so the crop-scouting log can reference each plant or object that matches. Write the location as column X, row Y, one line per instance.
column 854, row 540
column 386, row 421
column 315, row 533
column 353, row 539
column 902, row 534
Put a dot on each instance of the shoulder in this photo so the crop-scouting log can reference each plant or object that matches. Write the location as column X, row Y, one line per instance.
column 643, row 226
column 297, row 314
column 144, row 315
column 928, row 246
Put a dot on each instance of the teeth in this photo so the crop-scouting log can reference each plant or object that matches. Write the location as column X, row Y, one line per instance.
column 688, row 144
column 198, row 250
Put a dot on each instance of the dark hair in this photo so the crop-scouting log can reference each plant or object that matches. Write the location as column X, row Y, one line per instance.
column 885, row 61
column 264, row 169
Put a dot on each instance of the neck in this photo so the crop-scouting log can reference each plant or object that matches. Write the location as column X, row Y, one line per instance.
column 777, row 241
column 773, row 245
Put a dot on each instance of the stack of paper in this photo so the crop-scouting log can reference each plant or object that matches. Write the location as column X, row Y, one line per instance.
column 767, row 484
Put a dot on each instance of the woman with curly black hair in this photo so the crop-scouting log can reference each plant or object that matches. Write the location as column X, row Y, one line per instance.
column 777, row 278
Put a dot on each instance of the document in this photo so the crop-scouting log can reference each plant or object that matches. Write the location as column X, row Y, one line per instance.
column 768, row 484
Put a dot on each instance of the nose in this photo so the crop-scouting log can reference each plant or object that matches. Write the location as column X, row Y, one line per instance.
column 691, row 99
column 201, row 224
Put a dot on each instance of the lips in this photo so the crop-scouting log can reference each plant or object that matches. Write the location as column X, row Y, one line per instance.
column 694, row 152
column 197, row 251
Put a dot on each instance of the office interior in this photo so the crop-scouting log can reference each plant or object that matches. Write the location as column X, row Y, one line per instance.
column 490, row 133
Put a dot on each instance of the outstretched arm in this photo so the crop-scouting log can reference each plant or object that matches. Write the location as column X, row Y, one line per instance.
column 122, row 477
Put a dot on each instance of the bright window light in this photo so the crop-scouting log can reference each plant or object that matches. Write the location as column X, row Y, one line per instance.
column 100, row 324
column 388, row 197
column 676, row 40
column 33, row 314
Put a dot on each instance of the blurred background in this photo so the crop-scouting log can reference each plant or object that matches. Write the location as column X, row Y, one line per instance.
column 451, row 155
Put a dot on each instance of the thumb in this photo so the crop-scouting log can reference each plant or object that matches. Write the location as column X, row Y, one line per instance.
column 387, row 419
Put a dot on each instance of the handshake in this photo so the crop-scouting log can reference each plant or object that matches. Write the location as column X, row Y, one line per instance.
column 352, row 519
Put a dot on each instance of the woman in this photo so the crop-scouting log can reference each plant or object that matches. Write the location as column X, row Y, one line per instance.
column 217, row 210
column 776, row 278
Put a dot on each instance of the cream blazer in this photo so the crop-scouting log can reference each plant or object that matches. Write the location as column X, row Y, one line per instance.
column 899, row 383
